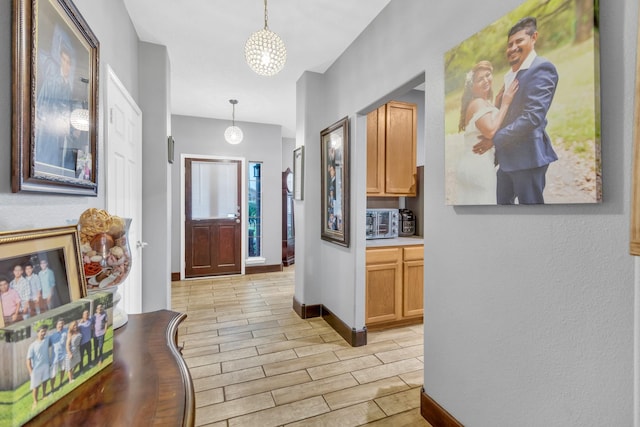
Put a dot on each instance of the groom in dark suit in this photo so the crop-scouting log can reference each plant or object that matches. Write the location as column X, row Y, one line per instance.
column 523, row 147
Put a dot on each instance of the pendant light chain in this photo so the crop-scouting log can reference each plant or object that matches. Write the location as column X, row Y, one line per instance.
column 233, row 134
column 233, row 114
column 266, row 27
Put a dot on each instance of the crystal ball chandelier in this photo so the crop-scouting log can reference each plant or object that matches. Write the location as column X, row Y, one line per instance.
column 265, row 51
column 233, row 134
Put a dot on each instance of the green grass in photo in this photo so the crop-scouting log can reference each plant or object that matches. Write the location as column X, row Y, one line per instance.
column 21, row 411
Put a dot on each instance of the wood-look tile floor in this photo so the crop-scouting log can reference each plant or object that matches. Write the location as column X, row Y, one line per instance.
column 254, row 362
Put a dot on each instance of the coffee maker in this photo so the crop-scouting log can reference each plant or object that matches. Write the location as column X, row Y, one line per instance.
column 407, row 223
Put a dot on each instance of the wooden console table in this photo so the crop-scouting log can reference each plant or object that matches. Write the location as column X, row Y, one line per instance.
column 148, row 382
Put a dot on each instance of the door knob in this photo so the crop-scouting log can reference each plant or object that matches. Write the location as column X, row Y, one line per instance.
column 141, row 245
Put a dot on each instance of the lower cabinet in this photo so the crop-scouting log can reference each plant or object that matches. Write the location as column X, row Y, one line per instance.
column 394, row 285
column 413, row 281
column 384, row 285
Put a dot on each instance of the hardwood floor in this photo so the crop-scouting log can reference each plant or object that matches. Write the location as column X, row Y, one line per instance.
column 254, row 362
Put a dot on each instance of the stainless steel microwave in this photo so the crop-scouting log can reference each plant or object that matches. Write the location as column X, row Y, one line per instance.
column 382, row 223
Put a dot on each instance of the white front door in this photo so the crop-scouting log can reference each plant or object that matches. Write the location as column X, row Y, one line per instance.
column 123, row 171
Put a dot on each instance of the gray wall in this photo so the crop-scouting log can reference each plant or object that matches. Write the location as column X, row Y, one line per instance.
column 119, row 49
column 528, row 310
column 200, row 136
column 309, row 265
column 110, row 23
column 288, row 145
column 155, row 103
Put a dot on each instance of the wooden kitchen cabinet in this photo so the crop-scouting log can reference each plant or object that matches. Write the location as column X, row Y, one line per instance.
column 384, row 285
column 413, row 281
column 391, row 150
column 394, row 285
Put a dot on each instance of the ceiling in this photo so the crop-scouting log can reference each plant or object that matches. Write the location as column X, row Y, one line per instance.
column 205, row 42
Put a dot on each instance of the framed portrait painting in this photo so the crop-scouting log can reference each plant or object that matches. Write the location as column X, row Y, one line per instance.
column 334, row 170
column 39, row 270
column 55, row 99
column 522, row 108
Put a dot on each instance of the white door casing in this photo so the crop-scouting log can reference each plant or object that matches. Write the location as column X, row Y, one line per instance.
column 123, row 173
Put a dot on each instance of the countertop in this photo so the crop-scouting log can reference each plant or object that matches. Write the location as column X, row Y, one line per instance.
column 398, row 241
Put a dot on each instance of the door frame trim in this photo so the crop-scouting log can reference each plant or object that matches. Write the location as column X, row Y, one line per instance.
column 132, row 297
column 243, row 210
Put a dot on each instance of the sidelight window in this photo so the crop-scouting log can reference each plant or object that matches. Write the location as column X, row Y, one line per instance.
column 254, row 217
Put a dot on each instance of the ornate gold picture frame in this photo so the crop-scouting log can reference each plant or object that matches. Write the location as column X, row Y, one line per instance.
column 52, row 257
column 334, row 171
column 55, row 99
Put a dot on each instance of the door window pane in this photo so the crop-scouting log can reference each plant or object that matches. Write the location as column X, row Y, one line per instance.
column 214, row 187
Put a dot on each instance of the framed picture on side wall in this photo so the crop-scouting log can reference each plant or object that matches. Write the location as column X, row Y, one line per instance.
column 334, row 171
column 55, row 99
column 522, row 108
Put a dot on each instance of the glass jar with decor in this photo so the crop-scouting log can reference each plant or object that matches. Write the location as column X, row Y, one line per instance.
column 106, row 255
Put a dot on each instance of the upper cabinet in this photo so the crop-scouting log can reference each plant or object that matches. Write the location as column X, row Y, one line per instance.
column 391, row 150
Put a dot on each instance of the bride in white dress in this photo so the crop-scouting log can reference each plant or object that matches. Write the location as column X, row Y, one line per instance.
column 480, row 119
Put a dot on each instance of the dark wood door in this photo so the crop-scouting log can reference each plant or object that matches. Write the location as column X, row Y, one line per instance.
column 213, row 227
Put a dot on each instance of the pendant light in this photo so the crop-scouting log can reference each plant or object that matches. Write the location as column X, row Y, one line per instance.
column 233, row 134
column 79, row 119
column 264, row 51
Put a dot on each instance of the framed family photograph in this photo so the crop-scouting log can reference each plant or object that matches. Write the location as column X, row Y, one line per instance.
column 522, row 108
column 39, row 270
column 334, row 145
column 298, row 173
column 46, row 357
column 55, row 99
